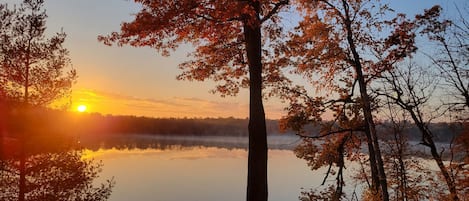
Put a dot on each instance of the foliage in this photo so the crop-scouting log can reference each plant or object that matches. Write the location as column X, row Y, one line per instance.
column 460, row 161
column 340, row 46
column 408, row 177
column 333, row 152
column 228, row 41
column 215, row 28
column 55, row 176
column 412, row 91
column 345, row 46
column 327, row 194
column 34, row 69
column 95, row 123
column 33, row 74
column 450, row 55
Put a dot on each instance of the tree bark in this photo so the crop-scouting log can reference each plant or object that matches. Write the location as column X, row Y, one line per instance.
column 427, row 137
column 401, row 168
column 374, row 139
column 22, row 170
column 257, row 154
column 370, row 131
column 372, row 136
column 22, row 167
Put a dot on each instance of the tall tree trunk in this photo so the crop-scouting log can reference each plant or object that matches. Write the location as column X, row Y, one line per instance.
column 373, row 163
column 402, row 174
column 341, row 165
column 257, row 156
column 22, row 170
column 370, row 130
column 449, row 180
column 22, row 167
column 427, row 138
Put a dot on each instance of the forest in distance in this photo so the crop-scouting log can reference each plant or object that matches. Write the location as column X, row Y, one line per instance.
column 99, row 125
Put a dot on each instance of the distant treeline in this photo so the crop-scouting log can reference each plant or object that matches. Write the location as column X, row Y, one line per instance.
column 49, row 121
column 108, row 124
column 443, row 132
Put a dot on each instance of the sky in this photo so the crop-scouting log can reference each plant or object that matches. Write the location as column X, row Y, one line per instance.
column 138, row 81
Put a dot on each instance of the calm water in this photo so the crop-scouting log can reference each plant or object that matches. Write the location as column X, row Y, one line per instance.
column 199, row 172
column 163, row 168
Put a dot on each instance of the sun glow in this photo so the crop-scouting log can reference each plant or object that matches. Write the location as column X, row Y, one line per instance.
column 81, row 108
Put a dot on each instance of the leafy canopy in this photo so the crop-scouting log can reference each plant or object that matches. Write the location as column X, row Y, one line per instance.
column 33, row 68
column 214, row 28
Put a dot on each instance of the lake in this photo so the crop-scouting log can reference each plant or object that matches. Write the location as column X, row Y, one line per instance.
column 167, row 168
column 200, row 169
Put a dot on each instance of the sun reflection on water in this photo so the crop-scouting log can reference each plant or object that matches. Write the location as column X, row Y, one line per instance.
column 187, row 153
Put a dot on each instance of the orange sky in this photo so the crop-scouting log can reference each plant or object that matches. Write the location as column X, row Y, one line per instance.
column 134, row 81
column 137, row 81
column 179, row 107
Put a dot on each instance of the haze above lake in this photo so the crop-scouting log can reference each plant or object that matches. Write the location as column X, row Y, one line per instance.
column 201, row 173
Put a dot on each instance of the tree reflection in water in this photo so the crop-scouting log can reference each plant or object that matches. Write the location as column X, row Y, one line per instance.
column 54, row 176
column 35, row 145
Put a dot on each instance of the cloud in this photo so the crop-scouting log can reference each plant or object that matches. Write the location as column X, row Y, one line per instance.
column 178, row 107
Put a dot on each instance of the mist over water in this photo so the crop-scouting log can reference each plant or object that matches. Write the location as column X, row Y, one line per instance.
column 201, row 169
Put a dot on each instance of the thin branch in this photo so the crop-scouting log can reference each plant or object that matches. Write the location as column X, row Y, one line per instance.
column 327, row 173
column 331, row 133
column 274, row 10
column 335, row 9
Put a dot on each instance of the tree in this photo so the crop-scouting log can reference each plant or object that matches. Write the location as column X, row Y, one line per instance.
column 408, row 177
column 61, row 176
column 228, row 41
column 462, row 168
column 451, row 58
column 332, row 152
column 33, row 68
column 412, row 90
column 342, row 46
column 451, row 53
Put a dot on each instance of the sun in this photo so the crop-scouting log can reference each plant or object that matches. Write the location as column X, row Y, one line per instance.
column 81, row 108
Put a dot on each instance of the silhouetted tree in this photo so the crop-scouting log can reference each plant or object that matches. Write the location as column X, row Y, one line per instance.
column 333, row 152
column 33, row 69
column 61, row 176
column 451, row 53
column 461, row 168
column 412, row 90
column 408, row 177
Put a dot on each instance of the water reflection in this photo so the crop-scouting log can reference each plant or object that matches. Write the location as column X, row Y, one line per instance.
column 39, row 159
column 278, row 142
column 198, row 173
column 56, row 168
column 53, row 176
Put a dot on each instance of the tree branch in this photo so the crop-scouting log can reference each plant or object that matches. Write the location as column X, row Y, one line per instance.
column 274, row 10
column 331, row 133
